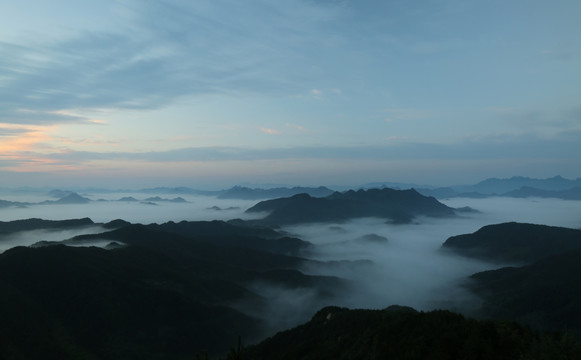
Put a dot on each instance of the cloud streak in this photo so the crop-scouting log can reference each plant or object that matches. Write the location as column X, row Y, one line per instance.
column 181, row 49
column 499, row 147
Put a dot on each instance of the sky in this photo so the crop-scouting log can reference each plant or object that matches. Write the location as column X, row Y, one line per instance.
column 214, row 93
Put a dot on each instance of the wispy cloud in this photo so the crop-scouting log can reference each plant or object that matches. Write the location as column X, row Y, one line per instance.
column 500, row 146
column 182, row 49
column 316, row 92
column 296, row 127
column 18, row 138
column 270, row 131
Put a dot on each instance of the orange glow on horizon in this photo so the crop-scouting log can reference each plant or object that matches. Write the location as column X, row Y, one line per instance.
column 24, row 139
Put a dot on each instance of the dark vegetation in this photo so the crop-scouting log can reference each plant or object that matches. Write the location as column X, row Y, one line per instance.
column 403, row 333
column 399, row 206
column 545, row 294
column 171, row 291
column 71, row 303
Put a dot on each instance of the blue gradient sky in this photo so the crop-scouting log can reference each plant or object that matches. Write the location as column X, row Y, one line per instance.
column 213, row 93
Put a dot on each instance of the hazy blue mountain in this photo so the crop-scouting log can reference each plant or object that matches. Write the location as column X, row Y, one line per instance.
column 393, row 205
column 403, row 333
column 447, row 192
column 71, row 198
column 527, row 191
column 179, row 190
column 545, row 294
column 240, row 192
column 160, row 199
column 518, row 186
column 515, row 242
column 6, row 203
column 58, row 194
column 501, row 186
column 381, row 185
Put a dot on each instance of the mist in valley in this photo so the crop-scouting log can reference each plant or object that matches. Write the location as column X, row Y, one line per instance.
column 402, row 264
column 383, row 264
column 107, row 207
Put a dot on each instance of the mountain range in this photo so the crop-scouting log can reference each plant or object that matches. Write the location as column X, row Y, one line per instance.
column 399, row 206
column 517, row 186
column 174, row 289
column 165, row 291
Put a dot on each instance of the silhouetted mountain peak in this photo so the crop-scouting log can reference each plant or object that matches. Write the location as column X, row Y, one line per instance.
column 72, row 198
column 395, row 205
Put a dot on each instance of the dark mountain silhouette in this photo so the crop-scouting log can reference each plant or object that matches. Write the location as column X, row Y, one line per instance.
column 240, row 192
column 130, row 303
column 234, row 235
column 168, row 293
column 515, row 242
column 403, row 333
column 394, row 205
column 128, row 199
column 545, row 294
column 37, row 224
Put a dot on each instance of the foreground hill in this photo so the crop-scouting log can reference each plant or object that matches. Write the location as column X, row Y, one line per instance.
column 515, row 242
column 165, row 291
column 545, row 294
column 394, row 205
column 403, row 333
column 67, row 303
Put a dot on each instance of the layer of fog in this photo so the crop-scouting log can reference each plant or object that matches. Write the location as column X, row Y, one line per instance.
column 546, row 211
column 32, row 237
column 145, row 212
column 410, row 268
column 106, row 207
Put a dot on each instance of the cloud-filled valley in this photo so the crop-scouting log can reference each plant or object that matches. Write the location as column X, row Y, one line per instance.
column 270, row 270
column 382, row 263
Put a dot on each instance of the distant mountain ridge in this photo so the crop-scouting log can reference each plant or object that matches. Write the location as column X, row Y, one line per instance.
column 240, row 192
column 500, row 186
column 517, row 186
